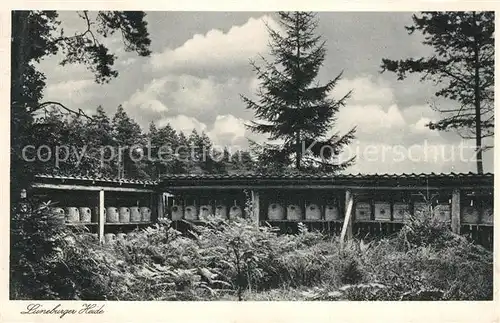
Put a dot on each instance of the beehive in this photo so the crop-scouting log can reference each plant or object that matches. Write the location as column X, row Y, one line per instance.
column 85, row 214
column 313, row 212
column 145, row 214
column 206, row 211
column 442, row 212
column 487, row 215
column 294, row 212
column 275, row 212
column 382, row 211
column 332, row 213
column 121, row 236
column 124, row 214
column 470, row 214
column 59, row 213
column 72, row 214
column 221, row 211
column 109, row 237
column 421, row 210
column 135, row 214
column 401, row 210
column 177, row 212
column 363, row 211
column 112, row 215
column 191, row 213
column 235, row 212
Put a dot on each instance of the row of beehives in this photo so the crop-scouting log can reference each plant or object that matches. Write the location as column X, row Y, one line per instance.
column 192, row 212
column 381, row 211
column 113, row 215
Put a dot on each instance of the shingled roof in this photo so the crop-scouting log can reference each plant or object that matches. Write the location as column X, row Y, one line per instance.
column 100, row 180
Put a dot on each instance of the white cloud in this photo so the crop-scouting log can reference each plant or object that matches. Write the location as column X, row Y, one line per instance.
column 214, row 48
column 227, row 129
column 421, row 125
column 189, row 95
column 147, row 98
column 74, row 91
column 128, row 61
column 195, row 93
column 365, row 90
column 369, row 118
column 183, row 123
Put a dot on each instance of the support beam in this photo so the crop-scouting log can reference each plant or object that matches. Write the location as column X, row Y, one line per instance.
column 347, row 226
column 102, row 218
column 455, row 211
column 66, row 187
column 160, row 208
column 255, row 207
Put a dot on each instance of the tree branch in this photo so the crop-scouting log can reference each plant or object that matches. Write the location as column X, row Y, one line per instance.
column 48, row 103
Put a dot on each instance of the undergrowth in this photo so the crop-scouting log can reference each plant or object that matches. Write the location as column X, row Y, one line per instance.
column 237, row 260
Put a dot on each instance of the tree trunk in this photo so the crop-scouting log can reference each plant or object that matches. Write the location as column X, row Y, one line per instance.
column 477, row 105
column 298, row 150
column 297, row 135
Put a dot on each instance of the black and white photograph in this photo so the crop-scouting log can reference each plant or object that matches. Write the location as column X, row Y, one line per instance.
column 246, row 156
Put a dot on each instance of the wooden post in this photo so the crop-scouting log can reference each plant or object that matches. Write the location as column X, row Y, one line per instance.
column 102, row 218
column 160, row 208
column 255, row 207
column 455, row 211
column 347, row 227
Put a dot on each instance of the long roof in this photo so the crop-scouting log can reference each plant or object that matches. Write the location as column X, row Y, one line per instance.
column 248, row 180
column 390, row 181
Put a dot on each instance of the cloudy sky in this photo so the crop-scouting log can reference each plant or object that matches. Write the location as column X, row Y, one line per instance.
column 200, row 66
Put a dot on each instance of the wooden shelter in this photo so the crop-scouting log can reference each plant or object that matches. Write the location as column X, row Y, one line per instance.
column 363, row 205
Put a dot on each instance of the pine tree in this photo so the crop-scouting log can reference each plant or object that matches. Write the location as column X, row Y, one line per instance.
column 462, row 65
column 127, row 135
column 293, row 108
column 100, row 139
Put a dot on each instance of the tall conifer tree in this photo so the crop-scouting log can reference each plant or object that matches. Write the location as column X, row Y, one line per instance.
column 293, row 109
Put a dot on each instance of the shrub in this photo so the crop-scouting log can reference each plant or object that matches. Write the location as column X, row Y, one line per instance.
column 237, row 259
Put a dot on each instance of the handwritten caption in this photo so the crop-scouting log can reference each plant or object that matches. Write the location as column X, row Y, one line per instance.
column 87, row 308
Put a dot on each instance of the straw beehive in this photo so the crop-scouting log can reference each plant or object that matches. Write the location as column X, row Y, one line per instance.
column 487, row 215
column 145, row 214
column 177, row 212
column 112, row 215
column 293, row 212
column 313, row 212
column 121, row 236
column 470, row 214
column 72, row 214
column 135, row 214
column 124, row 214
column 235, row 212
column 85, row 214
column 59, row 213
column 363, row 211
column 191, row 213
column 442, row 212
column 221, row 211
column 382, row 211
column 400, row 211
column 275, row 212
column 332, row 213
column 421, row 209
column 109, row 237
column 205, row 211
